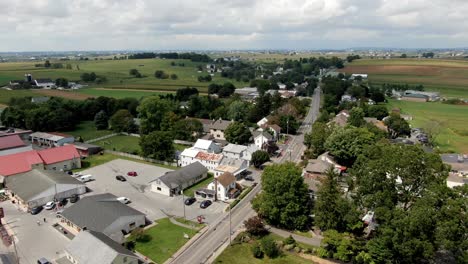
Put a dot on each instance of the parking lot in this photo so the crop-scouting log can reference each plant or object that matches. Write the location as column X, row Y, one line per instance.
column 137, row 189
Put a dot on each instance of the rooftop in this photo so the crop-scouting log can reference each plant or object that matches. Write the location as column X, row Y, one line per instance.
column 189, row 152
column 267, row 135
column 12, row 141
column 19, row 162
column 226, row 178
column 220, row 124
column 208, row 156
column 174, row 179
column 235, row 148
column 58, row 154
column 203, row 144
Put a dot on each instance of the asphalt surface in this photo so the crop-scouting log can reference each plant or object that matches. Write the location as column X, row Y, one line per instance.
column 202, row 249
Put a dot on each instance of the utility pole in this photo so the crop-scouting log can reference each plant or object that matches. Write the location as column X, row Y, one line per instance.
column 183, row 202
column 230, row 224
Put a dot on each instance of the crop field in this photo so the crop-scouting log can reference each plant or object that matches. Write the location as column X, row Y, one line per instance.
column 117, row 93
column 449, row 77
column 453, row 120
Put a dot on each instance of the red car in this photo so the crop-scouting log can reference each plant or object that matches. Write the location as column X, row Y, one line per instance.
column 132, row 173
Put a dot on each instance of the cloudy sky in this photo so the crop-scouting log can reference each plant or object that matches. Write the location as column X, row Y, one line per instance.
column 32, row 25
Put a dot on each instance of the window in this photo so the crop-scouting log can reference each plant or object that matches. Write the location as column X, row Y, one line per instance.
column 132, row 225
column 159, row 188
column 65, row 166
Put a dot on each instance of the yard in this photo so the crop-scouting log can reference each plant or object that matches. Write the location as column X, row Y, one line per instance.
column 164, row 240
column 453, row 120
column 191, row 190
column 121, row 143
column 98, row 159
column 87, row 130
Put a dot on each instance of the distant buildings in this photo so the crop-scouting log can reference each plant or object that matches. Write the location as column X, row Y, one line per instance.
column 420, row 96
column 50, row 139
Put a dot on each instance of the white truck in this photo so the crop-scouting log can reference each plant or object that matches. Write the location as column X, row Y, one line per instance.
column 85, row 178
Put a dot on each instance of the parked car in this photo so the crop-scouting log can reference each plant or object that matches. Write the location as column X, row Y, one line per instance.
column 49, row 206
column 205, row 204
column 190, row 200
column 254, row 184
column 62, row 202
column 132, row 173
column 74, row 198
column 123, row 200
column 36, row 210
column 43, row 261
column 85, row 178
column 249, row 178
column 120, row 178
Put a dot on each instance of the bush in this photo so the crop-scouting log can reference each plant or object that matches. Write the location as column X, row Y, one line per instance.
column 139, row 235
column 269, row 247
column 255, row 226
column 289, row 240
column 257, row 251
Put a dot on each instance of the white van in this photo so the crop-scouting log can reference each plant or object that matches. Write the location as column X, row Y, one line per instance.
column 85, row 178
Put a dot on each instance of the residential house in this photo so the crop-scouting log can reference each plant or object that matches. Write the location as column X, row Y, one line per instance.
column 172, row 183
column 225, row 186
column 240, row 152
column 317, row 168
column 187, row 156
column 44, row 83
column 102, row 213
column 85, row 149
column 50, row 139
column 341, row 119
column 61, row 158
column 347, row 98
column 104, row 250
column 218, row 127
column 379, row 124
column 210, row 160
column 207, row 146
column 38, row 187
column 230, row 165
column 262, row 122
column 12, row 144
column 262, row 138
column 274, row 130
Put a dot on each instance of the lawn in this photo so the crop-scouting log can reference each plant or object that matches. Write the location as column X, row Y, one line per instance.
column 449, row 77
column 121, row 143
column 190, row 190
column 118, row 93
column 96, row 160
column 6, row 95
column 166, row 239
column 452, row 118
column 87, row 130
column 190, row 223
column 242, row 253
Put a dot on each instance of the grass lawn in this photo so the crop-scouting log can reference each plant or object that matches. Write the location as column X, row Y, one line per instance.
column 452, row 118
column 117, row 93
column 121, row 143
column 190, row 190
column 190, row 223
column 180, row 147
column 6, row 95
column 304, row 234
column 166, row 239
column 87, row 130
column 96, row 160
column 242, row 253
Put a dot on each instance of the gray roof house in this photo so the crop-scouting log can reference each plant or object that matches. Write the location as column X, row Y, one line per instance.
column 103, row 213
column 90, row 247
column 37, row 187
column 173, row 182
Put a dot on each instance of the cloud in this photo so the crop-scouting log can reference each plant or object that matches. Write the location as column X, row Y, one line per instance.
column 220, row 24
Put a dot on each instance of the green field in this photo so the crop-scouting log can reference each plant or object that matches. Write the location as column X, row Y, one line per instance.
column 121, row 143
column 166, row 239
column 449, row 77
column 453, row 120
column 87, row 130
column 117, row 93
column 6, row 95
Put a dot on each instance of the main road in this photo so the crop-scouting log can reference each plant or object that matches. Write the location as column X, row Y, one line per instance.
column 202, row 248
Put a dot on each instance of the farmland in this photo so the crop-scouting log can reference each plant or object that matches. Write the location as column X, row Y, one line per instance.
column 449, row 77
column 453, row 120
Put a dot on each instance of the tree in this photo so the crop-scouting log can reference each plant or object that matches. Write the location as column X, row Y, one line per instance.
column 332, row 210
column 61, row 82
column 315, row 140
column 237, row 133
column 257, row 251
column 151, row 111
column 134, row 72
column 174, row 76
column 341, row 246
column 346, row 144
column 259, row 157
column 356, row 117
column 159, row 74
column 157, row 145
column 397, row 126
column 47, row 64
column 269, row 247
column 101, row 120
column 433, row 129
column 255, row 226
column 377, row 111
column 122, row 121
column 184, row 94
column 187, row 129
column 284, row 201
column 377, row 96
column 238, row 110
column 289, row 124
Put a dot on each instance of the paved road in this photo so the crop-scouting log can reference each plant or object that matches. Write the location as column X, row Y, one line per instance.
column 217, row 234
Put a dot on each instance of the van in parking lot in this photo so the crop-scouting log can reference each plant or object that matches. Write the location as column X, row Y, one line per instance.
column 85, row 178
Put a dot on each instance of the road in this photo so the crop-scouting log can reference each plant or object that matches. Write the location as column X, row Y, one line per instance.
column 218, row 232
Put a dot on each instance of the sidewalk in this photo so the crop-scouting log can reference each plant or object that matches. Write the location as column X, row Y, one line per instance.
column 313, row 241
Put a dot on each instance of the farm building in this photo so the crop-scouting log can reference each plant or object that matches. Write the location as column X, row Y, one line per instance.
column 12, row 144
column 173, row 182
column 50, row 139
column 44, row 83
column 102, row 213
column 85, row 149
column 37, row 187
column 415, row 97
column 431, row 96
column 61, row 158
column 20, row 162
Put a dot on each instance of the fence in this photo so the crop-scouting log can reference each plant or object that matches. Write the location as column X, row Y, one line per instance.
column 123, row 154
column 101, row 138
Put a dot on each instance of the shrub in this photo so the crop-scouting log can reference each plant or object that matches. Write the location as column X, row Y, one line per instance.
column 289, row 240
column 257, row 251
column 269, row 247
column 139, row 235
column 255, row 226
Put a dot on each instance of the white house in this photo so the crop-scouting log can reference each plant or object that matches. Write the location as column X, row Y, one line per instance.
column 191, row 155
column 262, row 122
column 44, row 83
column 187, row 156
column 224, row 186
column 362, row 75
column 207, row 146
column 261, row 138
column 173, row 182
column 281, row 86
column 240, row 152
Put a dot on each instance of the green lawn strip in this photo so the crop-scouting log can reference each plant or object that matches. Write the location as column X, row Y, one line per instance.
column 303, row 233
column 195, row 224
column 180, row 147
column 87, row 130
column 6, row 95
column 242, row 253
column 191, row 190
column 166, row 239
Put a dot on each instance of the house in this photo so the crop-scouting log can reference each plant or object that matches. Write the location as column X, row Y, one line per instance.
column 362, row 75
column 341, row 119
column 281, row 86
column 61, row 158
column 316, row 168
column 218, row 127
column 274, row 130
column 261, row 138
column 38, row 187
column 12, row 144
column 210, row 160
column 379, row 124
column 239, row 152
column 262, row 122
column 50, row 139
column 44, row 83
column 110, row 252
column 230, row 165
column 172, row 183
column 187, row 156
column 102, row 213
column 207, row 146
column 85, row 149
column 247, row 93
column 225, row 186
column 347, row 98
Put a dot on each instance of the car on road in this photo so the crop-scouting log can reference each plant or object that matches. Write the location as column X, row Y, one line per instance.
column 123, row 200
column 49, row 206
column 249, row 178
column 36, row 210
column 190, row 200
column 120, row 178
column 132, row 173
column 74, row 198
column 205, row 204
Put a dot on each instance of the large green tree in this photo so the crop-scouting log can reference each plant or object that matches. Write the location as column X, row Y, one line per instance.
column 151, row 111
column 101, row 120
column 157, row 145
column 397, row 126
column 284, row 201
column 259, row 157
column 377, row 111
column 315, row 140
column 356, row 117
column 122, row 121
column 237, row 133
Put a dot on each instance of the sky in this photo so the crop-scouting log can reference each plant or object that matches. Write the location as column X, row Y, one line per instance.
column 59, row 25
